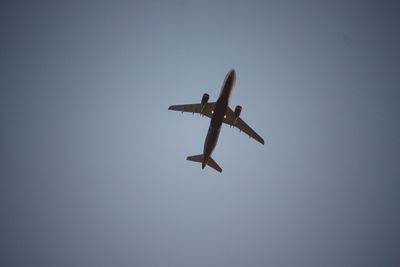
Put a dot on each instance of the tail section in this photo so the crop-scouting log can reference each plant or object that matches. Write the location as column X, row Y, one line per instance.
column 210, row 162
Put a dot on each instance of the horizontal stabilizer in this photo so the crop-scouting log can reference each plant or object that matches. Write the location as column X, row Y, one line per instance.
column 196, row 158
column 211, row 162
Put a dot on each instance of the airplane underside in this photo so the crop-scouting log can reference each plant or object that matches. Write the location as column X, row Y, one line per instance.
column 219, row 112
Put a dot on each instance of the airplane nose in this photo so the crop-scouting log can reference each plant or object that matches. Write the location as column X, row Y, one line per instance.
column 233, row 73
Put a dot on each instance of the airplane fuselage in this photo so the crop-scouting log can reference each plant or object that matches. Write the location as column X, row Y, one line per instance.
column 218, row 116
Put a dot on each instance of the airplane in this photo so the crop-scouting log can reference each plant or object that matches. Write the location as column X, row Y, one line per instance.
column 219, row 112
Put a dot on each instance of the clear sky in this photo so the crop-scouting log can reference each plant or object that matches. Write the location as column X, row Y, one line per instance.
column 92, row 164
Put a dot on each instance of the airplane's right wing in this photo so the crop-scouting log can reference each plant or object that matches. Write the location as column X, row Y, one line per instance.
column 231, row 119
column 207, row 109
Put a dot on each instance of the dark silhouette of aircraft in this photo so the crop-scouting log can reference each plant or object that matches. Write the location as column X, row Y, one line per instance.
column 219, row 112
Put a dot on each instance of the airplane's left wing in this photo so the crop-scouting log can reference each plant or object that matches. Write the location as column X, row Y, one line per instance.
column 231, row 119
column 207, row 109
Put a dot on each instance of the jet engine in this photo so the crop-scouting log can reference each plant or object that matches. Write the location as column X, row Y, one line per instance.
column 238, row 110
column 204, row 99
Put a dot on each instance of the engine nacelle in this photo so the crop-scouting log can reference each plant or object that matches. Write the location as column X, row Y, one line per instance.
column 238, row 110
column 204, row 99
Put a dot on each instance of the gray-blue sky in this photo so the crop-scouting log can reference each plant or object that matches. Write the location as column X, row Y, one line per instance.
column 93, row 169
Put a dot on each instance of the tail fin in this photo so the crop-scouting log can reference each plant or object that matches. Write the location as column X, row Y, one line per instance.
column 210, row 162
